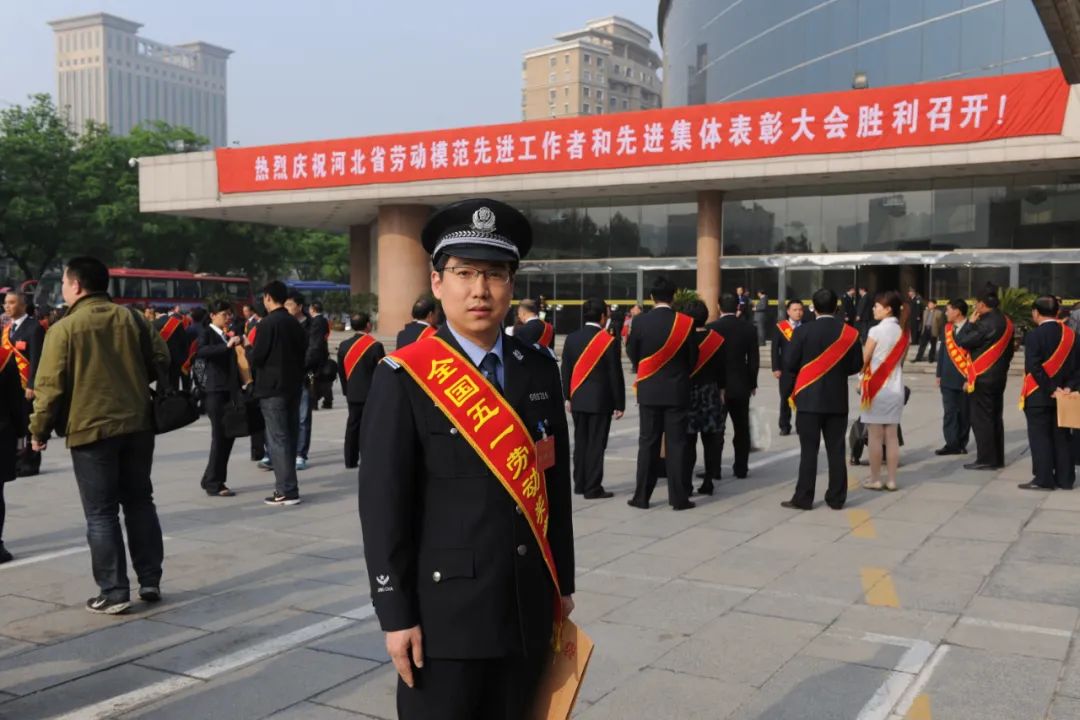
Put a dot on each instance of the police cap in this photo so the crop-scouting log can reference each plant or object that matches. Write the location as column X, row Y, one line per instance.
column 478, row 229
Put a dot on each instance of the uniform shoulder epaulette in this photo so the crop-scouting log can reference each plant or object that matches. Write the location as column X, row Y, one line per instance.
column 389, row 362
column 543, row 351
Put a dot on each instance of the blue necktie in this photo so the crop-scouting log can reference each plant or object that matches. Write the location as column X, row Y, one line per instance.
column 489, row 366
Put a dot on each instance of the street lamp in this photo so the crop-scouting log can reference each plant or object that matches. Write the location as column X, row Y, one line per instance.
column 860, row 81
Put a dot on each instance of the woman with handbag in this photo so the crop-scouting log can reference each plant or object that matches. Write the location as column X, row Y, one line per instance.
column 222, row 385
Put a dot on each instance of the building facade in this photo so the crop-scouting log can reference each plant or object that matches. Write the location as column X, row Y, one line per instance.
column 108, row 74
column 607, row 66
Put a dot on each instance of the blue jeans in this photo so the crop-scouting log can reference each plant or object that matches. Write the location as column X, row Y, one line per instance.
column 303, row 443
column 114, row 473
column 282, row 416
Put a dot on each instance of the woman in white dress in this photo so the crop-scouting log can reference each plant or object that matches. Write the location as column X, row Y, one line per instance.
column 882, row 417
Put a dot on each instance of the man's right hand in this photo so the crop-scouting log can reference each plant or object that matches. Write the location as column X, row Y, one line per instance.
column 776, row 374
column 406, row 648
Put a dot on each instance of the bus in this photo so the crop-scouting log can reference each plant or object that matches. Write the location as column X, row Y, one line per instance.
column 156, row 288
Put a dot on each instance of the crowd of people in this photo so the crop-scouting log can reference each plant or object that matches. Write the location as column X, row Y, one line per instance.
column 460, row 435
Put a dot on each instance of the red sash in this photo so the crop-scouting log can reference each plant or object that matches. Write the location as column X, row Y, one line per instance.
column 186, row 320
column 547, row 338
column 590, row 356
column 251, row 335
column 186, row 367
column 471, row 403
column 817, row 368
column 785, row 328
column 21, row 361
column 1053, row 364
column 427, row 332
column 872, row 382
column 5, row 355
column 169, row 328
column 961, row 358
column 709, row 346
column 680, row 330
column 986, row 361
column 361, row 346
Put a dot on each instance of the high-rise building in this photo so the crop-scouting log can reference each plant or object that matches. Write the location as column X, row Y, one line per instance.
column 107, row 73
column 607, row 66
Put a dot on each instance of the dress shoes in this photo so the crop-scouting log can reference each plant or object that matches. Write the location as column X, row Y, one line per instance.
column 785, row 433
column 640, row 506
column 705, row 489
column 950, row 451
column 792, row 506
column 981, row 466
column 1034, row 486
column 688, row 505
column 602, row 495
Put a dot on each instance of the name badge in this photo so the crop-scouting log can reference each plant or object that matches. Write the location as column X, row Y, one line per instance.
column 545, row 453
column 20, row 345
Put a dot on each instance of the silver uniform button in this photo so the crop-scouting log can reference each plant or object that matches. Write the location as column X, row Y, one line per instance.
column 436, row 576
column 453, row 431
column 521, row 550
column 517, row 509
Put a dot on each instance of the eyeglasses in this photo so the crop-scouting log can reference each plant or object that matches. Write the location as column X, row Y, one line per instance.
column 467, row 274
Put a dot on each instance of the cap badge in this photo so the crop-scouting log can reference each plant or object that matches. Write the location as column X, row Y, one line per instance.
column 483, row 220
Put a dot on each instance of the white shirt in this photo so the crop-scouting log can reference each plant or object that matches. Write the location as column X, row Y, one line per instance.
column 16, row 322
column 219, row 331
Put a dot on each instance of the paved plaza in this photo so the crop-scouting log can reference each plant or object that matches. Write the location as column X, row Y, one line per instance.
column 955, row 598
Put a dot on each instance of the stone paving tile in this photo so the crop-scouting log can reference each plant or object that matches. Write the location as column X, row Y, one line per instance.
column 833, row 583
column 1046, row 548
column 975, row 556
column 661, row 523
column 972, row 684
column 1008, row 636
column 798, row 539
column 696, row 543
column 14, row 607
column 1055, row 521
column 744, row 566
column 81, row 692
column 680, row 607
column 51, row 665
column 793, row 606
column 260, row 689
column 922, row 588
column 843, row 647
column 984, row 523
column 373, row 694
column 61, row 625
column 900, row 534
column 754, row 519
column 1064, row 709
column 911, row 509
column 364, row 640
column 1037, row 582
column 8, row 646
column 950, row 491
column 764, row 644
column 591, row 606
column 603, row 547
column 1062, row 501
column 817, row 688
column 661, row 694
column 311, row 711
column 618, row 655
column 1070, row 674
column 927, row 625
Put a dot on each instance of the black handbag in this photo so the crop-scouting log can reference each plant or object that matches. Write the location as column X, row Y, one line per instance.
column 170, row 409
column 241, row 416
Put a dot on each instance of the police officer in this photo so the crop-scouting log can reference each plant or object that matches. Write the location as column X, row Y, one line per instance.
column 357, row 358
column 742, row 358
column 24, row 337
column 784, row 331
column 988, row 336
column 1052, row 367
column 457, row 565
column 533, row 329
column 951, row 379
column 595, row 392
column 423, row 317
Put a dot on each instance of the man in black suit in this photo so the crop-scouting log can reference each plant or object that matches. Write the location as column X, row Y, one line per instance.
column 784, row 330
column 323, row 388
column 663, row 395
column 24, row 337
column 850, row 304
column 278, row 361
column 458, row 573
column 822, row 399
column 915, row 319
column 532, row 328
column 221, row 383
column 981, row 337
column 951, row 379
column 864, row 313
column 423, row 317
column 170, row 327
column 356, row 369
column 317, row 331
column 600, row 396
column 1051, row 453
column 741, row 361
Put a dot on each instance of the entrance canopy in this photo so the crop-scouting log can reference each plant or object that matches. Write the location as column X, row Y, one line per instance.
column 820, row 143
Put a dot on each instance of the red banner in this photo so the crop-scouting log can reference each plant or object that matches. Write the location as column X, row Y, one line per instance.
column 941, row 113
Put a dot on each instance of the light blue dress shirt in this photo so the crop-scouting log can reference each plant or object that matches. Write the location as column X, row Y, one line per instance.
column 476, row 353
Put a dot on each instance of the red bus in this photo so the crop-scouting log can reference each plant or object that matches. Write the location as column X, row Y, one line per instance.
column 157, row 288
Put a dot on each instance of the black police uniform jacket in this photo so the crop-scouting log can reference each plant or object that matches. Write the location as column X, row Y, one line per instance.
column 411, row 333
column 670, row 386
column 1039, row 345
column 978, row 337
column 445, row 546
column 829, row 395
column 531, row 331
column 604, row 390
column 357, row 386
column 742, row 357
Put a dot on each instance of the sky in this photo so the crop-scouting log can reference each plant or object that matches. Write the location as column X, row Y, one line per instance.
column 319, row 69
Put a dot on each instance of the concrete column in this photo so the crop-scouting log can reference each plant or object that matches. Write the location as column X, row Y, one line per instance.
column 360, row 259
column 404, row 267
column 710, row 222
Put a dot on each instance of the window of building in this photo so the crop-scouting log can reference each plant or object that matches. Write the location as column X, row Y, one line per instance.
column 585, row 107
column 625, row 105
column 553, row 60
column 587, row 59
column 600, row 95
column 611, row 102
column 585, row 91
column 599, row 63
column 551, row 94
column 599, row 109
column 617, row 71
column 551, row 109
column 588, row 76
column 566, row 92
column 551, row 78
column 566, row 58
column 566, row 107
